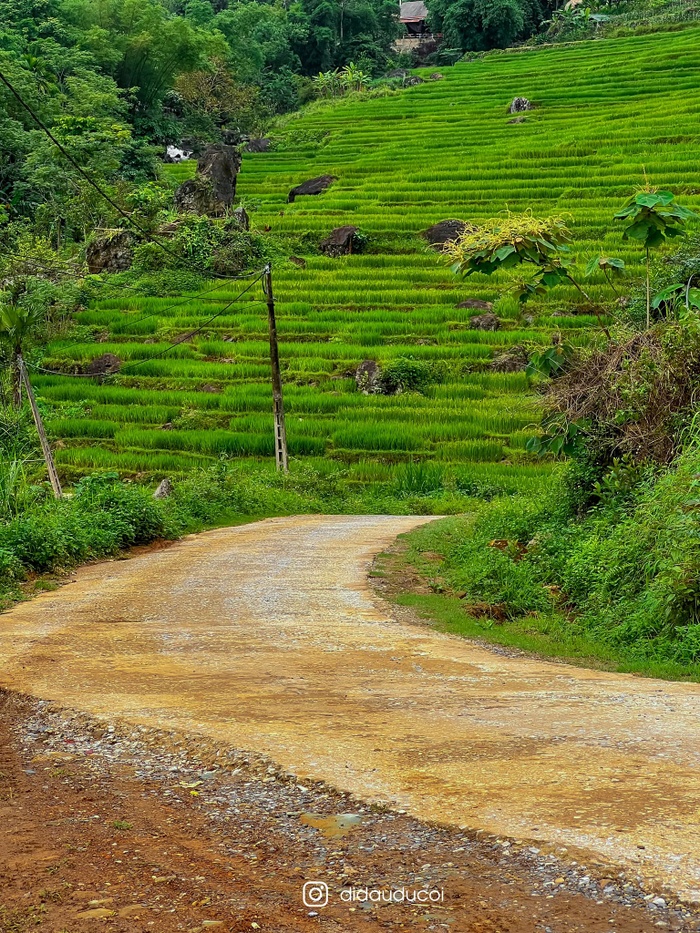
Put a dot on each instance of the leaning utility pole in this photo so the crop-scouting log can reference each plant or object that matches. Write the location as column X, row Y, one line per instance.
column 281, row 456
column 46, row 448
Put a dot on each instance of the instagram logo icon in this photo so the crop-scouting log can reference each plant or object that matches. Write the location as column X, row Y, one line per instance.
column 315, row 894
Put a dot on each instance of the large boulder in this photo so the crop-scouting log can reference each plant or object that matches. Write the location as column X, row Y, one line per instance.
column 240, row 218
column 486, row 321
column 312, row 186
column 213, row 188
column 413, row 81
column 368, row 378
column 341, row 242
column 196, row 196
column 519, row 105
column 444, row 232
column 258, row 145
column 110, row 253
column 514, row 360
column 220, row 164
column 104, row 365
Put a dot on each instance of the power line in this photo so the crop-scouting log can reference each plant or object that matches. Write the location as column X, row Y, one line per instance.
column 74, row 271
column 160, row 311
column 52, row 372
column 198, row 329
column 62, row 149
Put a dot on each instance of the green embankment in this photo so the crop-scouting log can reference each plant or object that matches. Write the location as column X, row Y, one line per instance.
column 606, row 112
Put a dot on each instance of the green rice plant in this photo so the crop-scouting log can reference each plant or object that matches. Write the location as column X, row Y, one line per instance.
column 419, row 478
column 606, row 109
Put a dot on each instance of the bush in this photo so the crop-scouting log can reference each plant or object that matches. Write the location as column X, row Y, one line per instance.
column 625, row 573
column 405, row 374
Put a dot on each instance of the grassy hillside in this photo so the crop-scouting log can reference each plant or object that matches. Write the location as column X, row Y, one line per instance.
column 606, row 112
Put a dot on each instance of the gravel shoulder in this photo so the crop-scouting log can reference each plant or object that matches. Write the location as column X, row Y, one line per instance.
column 141, row 829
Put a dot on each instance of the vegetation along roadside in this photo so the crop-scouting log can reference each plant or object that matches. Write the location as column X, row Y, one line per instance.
column 508, row 331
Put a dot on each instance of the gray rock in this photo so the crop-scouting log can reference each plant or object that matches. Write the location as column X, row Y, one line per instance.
column 519, row 105
column 368, row 378
column 196, row 196
column 103, row 365
column 488, row 321
column 514, row 360
column 221, row 164
column 240, row 218
column 110, row 253
column 341, row 242
column 312, row 186
column 476, row 304
column 213, row 188
column 258, row 145
column 413, row 81
column 164, row 490
column 436, row 76
column 445, row 232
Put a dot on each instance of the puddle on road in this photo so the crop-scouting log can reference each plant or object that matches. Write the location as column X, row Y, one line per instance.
column 332, row 826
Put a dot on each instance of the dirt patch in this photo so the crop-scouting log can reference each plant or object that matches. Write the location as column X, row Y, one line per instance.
column 140, row 829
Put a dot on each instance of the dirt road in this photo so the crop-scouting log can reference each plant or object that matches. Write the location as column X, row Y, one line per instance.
column 267, row 637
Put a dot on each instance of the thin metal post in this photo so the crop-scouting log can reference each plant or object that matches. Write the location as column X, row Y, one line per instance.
column 43, row 439
column 281, row 456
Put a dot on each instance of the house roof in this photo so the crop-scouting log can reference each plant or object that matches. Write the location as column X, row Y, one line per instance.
column 414, row 11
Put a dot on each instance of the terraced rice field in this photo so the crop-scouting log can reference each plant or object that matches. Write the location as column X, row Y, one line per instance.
column 606, row 112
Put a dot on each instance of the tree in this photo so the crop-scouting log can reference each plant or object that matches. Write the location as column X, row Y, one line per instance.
column 353, row 78
column 479, row 25
column 653, row 217
column 514, row 240
column 21, row 314
column 215, row 100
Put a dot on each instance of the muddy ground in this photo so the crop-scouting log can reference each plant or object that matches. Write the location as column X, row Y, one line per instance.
column 129, row 829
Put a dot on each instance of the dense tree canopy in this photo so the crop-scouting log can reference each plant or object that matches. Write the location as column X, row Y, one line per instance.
column 479, row 25
column 116, row 80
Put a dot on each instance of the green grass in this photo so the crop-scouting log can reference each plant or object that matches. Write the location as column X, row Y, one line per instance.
column 607, row 112
column 541, row 634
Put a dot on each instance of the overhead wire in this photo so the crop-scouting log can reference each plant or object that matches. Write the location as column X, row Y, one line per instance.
column 149, row 238
column 189, row 336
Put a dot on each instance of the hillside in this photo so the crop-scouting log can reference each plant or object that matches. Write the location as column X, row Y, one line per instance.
column 606, row 112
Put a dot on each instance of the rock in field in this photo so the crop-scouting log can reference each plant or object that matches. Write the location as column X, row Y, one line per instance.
column 164, row 490
column 213, row 188
column 103, row 365
column 486, row 321
column 258, row 145
column 444, row 232
column 519, row 105
column 476, row 304
column 514, row 360
column 312, row 186
column 341, row 242
column 368, row 378
column 240, row 218
column 111, row 253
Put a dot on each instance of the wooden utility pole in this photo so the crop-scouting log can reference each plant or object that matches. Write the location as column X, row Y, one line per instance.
column 46, row 448
column 281, row 456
